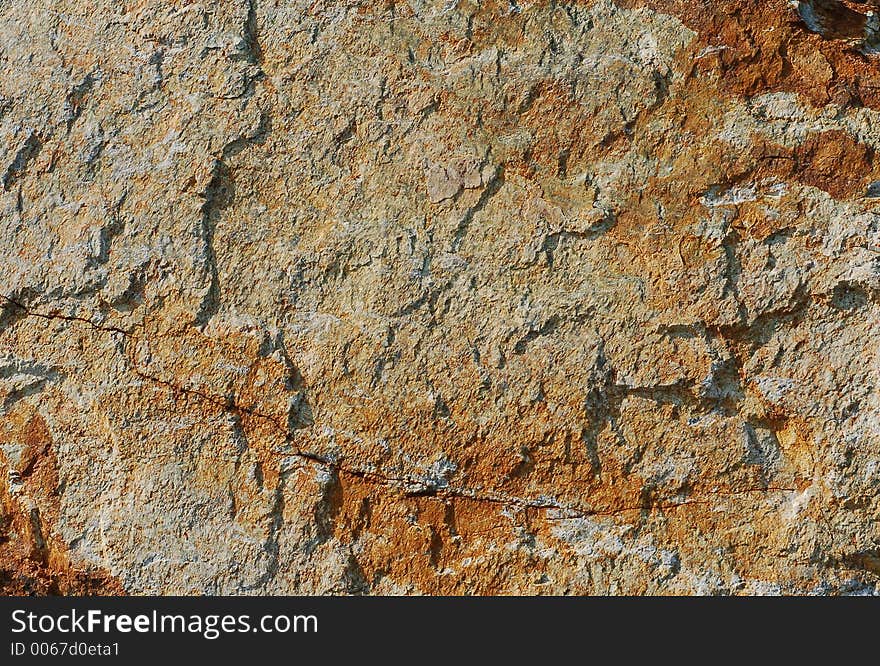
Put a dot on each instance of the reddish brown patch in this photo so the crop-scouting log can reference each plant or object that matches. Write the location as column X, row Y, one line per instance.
column 831, row 161
column 759, row 46
column 834, row 162
column 34, row 560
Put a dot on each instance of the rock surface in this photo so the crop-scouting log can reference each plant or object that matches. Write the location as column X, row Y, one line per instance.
column 438, row 296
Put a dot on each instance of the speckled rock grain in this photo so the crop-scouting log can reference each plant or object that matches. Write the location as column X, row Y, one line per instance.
column 437, row 297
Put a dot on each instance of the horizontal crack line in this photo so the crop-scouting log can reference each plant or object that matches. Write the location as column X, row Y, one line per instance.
column 62, row 317
column 439, row 492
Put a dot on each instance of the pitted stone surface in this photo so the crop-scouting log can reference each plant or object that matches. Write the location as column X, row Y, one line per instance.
column 439, row 297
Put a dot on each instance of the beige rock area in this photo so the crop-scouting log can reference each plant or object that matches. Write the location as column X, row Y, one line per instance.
column 439, row 297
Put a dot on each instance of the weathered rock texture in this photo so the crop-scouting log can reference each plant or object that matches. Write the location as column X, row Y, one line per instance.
column 439, row 296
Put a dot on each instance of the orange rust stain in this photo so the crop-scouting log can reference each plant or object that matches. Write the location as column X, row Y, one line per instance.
column 33, row 559
column 760, row 46
column 834, row 162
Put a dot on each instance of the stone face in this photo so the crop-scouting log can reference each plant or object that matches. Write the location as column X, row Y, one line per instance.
column 439, row 297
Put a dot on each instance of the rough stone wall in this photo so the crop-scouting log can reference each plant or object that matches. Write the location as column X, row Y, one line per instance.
column 439, row 296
